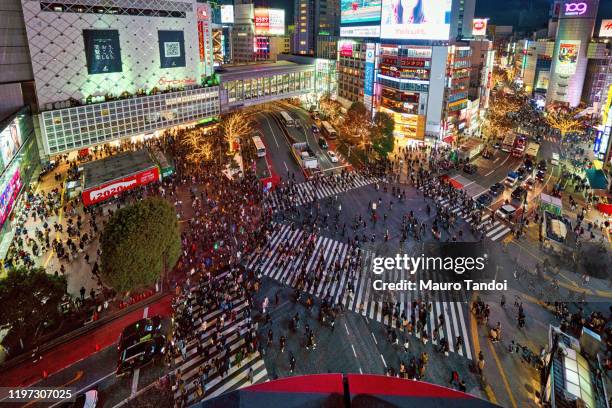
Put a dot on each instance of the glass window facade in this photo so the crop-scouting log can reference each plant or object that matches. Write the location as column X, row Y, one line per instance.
column 87, row 125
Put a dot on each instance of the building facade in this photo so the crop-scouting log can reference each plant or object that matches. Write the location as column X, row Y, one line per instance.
column 314, row 18
column 569, row 61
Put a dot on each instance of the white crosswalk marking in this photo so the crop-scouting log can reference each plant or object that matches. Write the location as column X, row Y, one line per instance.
column 233, row 332
column 333, row 282
column 306, row 192
column 495, row 232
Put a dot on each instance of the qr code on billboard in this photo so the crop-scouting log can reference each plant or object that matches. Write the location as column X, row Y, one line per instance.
column 172, row 49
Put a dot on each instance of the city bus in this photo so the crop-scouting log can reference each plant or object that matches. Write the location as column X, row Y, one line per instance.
column 287, row 119
column 260, row 148
column 327, row 130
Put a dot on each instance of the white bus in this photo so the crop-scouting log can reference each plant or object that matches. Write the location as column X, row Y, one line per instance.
column 287, row 119
column 259, row 146
column 327, row 130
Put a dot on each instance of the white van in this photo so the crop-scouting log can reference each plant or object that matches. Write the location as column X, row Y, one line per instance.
column 554, row 160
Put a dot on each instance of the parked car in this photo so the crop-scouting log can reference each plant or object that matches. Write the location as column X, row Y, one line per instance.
column 314, row 129
column 522, row 173
column 506, row 212
column 497, row 145
column 519, row 193
column 497, row 189
column 141, row 330
column 484, row 200
column 540, row 175
column 470, row 168
column 141, row 354
column 528, row 164
column 332, row 156
column 323, row 143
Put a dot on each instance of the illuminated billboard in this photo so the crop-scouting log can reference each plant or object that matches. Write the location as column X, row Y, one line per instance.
column 365, row 12
column 567, row 58
column 416, row 19
column 171, row 48
column 479, row 27
column 269, row 21
column 606, row 28
column 360, row 31
column 102, row 51
column 227, row 14
column 10, row 142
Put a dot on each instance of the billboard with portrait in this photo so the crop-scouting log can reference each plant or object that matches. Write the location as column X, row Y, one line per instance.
column 567, row 57
column 363, row 12
column 171, row 49
column 269, row 21
column 227, row 14
column 10, row 142
column 416, row 19
column 102, row 51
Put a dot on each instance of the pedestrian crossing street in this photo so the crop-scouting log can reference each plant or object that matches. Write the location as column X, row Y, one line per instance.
column 362, row 298
column 495, row 231
column 311, row 190
column 236, row 377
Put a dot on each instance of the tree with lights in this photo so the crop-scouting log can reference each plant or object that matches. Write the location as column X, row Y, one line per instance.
column 565, row 120
column 236, row 125
column 357, row 124
column 382, row 137
column 329, row 108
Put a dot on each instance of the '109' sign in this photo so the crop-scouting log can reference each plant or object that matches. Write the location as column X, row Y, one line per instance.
column 575, row 9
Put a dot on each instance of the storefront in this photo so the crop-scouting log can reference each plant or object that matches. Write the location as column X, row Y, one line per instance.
column 19, row 163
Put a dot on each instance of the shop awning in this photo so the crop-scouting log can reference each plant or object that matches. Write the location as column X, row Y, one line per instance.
column 597, row 179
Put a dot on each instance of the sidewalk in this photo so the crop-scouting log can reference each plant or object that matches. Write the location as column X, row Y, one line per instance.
column 66, row 354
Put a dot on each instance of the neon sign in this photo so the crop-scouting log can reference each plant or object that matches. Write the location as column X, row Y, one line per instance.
column 575, row 9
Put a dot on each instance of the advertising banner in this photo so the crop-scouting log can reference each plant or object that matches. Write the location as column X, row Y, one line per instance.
column 111, row 189
column 567, row 57
column 204, row 14
column 8, row 195
column 10, row 142
column 201, row 40
column 479, row 27
column 606, row 29
column 346, row 49
column 416, row 19
column 171, row 49
column 369, row 69
column 102, row 51
column 360, row 12
column 227, row 14
column 269, row 21
column 372, row 31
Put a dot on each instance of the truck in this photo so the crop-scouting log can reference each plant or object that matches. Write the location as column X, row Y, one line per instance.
column 519, row 147
column 304, row 155
column 508, row 143
column 532, row 150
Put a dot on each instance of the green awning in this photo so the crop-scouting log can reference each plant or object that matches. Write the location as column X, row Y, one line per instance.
column 597, row 179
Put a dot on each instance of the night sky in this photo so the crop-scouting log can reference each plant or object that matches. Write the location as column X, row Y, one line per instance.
column 525, row 14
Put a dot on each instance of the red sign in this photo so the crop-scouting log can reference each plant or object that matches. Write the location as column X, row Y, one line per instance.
column 113, row 188
column 201, row 39
column 407, row 62
column 346, row 49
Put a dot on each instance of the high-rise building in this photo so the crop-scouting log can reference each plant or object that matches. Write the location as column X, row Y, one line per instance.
column 254, row 33
column 570, row 60
column 314, row 18
column 419, row 73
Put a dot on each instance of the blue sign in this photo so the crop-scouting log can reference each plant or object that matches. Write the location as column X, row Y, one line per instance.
column 597, row 145
column 102, row 51
column 171, row 49
column 369, row 79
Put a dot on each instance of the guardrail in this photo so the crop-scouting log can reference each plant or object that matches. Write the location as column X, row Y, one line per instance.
column 86, row 328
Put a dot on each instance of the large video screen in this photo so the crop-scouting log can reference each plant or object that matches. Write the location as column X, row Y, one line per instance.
column 365, row 12
column 102, row 51
column 416, row 19
column 10, row 142
column 269, row 21
column 171, row 49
